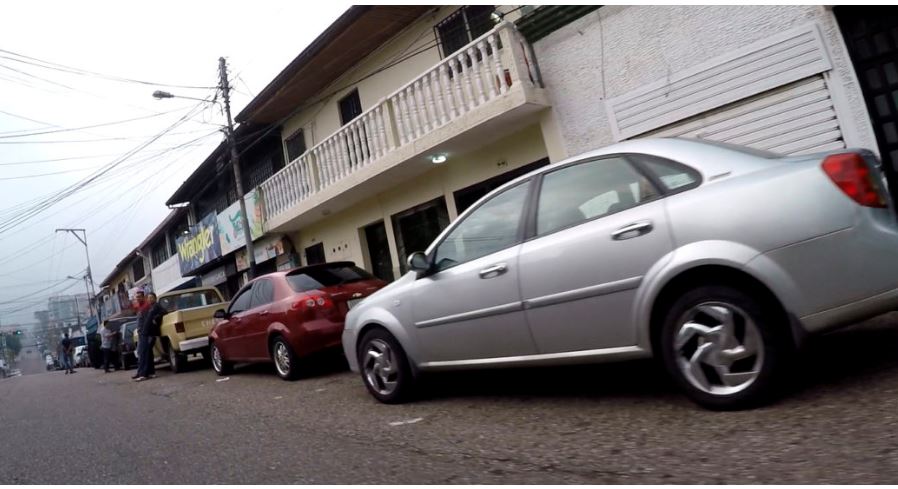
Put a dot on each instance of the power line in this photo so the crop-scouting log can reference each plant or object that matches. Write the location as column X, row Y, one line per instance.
column 97, row 140
column 79, row 71
column 19, row 134
column 27, row 119
column 38, row 175
column 65, row 193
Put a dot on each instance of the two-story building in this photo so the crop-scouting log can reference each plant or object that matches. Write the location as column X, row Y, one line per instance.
column 394, row 121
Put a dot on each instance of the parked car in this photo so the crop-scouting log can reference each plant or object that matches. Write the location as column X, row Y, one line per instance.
column 185, row 328
column 284, row 316
column 128, row 347
column 716, row 259
column 79, row 356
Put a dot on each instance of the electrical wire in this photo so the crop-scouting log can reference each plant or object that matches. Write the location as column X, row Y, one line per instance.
column 47, row 203
column 79, row 71
column 19, row 134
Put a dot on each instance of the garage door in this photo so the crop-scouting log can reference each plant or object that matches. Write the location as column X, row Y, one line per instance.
column 794, row 119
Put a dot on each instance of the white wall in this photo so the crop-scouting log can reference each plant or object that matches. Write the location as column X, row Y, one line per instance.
column 617, row 49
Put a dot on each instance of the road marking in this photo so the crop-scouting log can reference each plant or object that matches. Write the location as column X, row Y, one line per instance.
column 407, row 421
column 320, row 390
column 278, row 397
column 224, row 379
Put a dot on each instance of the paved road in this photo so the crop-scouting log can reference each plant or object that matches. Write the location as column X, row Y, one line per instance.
column 602, row 424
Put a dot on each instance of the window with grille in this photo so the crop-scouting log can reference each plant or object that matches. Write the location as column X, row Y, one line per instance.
column 463, row 26
column 350, row 107
column 160, row 253
column 296, row 145
column 259, row 172
column 137, row 269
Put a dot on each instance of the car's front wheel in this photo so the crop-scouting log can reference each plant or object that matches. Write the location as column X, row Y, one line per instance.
column 221, row 366
column 726, row 348
column 385, row 368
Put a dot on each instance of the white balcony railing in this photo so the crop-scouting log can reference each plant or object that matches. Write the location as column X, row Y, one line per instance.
column 483, row 71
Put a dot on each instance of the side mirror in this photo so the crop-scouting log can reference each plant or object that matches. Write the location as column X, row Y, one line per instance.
column 418, row 262
column 220, row 314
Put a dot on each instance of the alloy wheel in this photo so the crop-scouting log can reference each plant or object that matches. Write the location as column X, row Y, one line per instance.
column 282, row 358
column 381, row 367
column 718, row 348
column 216, row 358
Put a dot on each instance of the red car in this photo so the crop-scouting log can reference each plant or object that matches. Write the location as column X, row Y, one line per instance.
column 284, row 316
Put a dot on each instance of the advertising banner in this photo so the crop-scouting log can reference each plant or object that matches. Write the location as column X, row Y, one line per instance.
column 230, row 229
column 200, row 246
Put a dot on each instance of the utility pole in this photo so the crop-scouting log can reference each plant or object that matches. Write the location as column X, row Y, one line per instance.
column 235, row 162
column 90, row 278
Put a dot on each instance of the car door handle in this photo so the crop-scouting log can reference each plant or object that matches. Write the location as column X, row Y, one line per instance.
column 632, row 230
column 493, row 271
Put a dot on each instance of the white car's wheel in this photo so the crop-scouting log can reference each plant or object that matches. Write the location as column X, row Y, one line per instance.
column 726, row 348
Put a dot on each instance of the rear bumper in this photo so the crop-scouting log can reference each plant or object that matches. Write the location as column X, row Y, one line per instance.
column 850, row 313
column 194, row 344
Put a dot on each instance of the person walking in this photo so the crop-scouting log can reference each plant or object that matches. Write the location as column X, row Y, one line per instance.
column 66, row 354
column 149, row 322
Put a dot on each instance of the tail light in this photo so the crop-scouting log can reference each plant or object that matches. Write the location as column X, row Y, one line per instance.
column 851, row 174
column 179, row 327
column 311, row 304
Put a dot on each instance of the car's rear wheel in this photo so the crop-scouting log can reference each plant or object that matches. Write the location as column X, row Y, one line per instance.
column 219, row 364
column 285, row 360
column 177, row 360
column 385, row 368
column 726, row 348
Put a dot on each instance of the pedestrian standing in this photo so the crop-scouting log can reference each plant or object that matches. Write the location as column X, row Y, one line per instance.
column 109, row 343
column 66, row 356
column 149, row 322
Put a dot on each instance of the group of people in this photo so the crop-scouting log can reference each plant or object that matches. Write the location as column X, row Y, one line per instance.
column 149, row 321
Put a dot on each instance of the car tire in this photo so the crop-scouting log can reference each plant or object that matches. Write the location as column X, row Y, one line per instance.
column 384, row 367
column 726, row 348
column 221, row 366
column 286, row 362
column 178, row 361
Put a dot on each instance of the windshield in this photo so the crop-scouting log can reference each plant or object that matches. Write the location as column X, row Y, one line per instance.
column 187, row 300
column 318, row 277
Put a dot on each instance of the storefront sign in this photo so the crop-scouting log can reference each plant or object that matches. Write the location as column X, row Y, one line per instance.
column 264, row 250
column 215, row 277
column 230, row 227
column 200, row 246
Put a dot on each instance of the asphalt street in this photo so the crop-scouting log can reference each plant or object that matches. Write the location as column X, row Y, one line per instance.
column 622, row 423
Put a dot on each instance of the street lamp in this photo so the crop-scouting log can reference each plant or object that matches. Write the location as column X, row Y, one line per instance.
column 232, row 143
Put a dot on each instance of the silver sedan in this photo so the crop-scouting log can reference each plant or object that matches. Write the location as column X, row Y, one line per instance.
column 717, row 260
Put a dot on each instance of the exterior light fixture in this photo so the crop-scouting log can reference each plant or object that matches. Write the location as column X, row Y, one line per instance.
column 437, row 159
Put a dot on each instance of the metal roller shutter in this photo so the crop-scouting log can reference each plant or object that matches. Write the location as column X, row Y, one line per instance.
column 797, row 118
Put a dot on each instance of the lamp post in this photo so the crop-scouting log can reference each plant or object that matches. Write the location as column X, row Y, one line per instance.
column 225, row 88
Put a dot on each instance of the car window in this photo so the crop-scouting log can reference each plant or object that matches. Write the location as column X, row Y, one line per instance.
column 491, row 227
column 187, row 300
column 263, row 293
column 242, row 301
column 326, row 275
column 674, row 176
column 585, row 191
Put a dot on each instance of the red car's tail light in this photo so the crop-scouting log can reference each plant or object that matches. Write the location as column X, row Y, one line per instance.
column 310, row 304
column 851, row 174
column 179, row 327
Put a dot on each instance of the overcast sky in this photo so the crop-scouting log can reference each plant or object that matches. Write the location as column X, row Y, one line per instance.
column 175, row 43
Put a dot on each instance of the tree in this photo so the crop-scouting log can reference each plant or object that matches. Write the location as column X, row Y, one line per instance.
column 14, row 343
